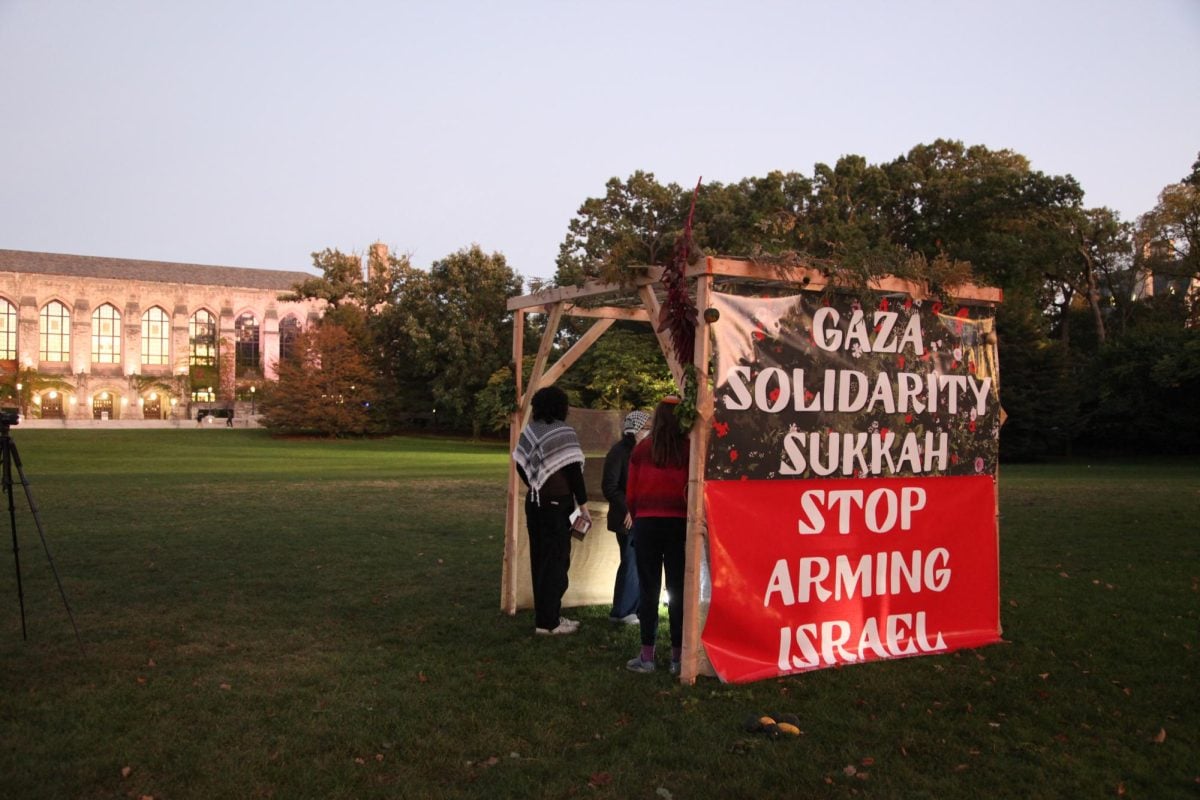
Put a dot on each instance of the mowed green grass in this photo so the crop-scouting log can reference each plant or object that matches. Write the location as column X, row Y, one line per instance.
column 319, row 619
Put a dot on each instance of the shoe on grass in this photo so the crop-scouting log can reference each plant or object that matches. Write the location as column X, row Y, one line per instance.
column 574, row 623
column 636, row 664
column 562, row 630
column 674, row 667
column 629, row 619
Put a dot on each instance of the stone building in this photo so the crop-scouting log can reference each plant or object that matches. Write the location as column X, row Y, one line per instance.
column 110, row 338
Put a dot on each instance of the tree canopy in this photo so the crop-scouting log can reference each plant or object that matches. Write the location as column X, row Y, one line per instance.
column 1099, row 317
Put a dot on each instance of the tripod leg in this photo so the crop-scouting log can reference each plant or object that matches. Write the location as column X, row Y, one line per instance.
column 37, row 520
column 5, row 457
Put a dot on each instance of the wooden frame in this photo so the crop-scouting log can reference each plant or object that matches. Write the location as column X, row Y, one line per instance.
column 637, row 300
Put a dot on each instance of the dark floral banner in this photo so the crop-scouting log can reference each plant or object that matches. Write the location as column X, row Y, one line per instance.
column 812, row 386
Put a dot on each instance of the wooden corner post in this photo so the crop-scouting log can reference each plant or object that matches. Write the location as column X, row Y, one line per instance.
column 697, row 528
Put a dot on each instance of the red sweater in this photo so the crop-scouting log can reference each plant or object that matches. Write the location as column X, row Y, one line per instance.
column 655, row 491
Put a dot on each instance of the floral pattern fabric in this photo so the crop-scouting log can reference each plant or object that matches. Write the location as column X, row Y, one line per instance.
column 836, row 386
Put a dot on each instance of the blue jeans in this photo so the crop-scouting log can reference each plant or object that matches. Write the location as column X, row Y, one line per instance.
column 659, row 542
column 625, row 588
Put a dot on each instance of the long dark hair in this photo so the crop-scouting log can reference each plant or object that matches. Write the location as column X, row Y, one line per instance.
column 668, row 444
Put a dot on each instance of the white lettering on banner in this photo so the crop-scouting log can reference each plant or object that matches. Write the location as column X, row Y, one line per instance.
column 896, row 504
column 852, row 391
column 847, row 453
column 845, row 577
column 827, row 336
column 825, row 645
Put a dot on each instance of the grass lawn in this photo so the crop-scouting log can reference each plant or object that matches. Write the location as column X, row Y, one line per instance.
column 319, row 619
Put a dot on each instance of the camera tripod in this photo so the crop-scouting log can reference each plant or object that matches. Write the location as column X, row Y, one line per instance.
column 9, row 457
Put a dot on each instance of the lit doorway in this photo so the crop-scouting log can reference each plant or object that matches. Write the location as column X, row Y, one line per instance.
column 102, row 406
column 152, row 407
column 52, row 406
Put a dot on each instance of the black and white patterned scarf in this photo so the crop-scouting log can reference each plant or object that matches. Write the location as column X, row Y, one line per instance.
column 543, row 449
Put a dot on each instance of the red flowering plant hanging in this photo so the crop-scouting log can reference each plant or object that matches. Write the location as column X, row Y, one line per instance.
column 678, row 317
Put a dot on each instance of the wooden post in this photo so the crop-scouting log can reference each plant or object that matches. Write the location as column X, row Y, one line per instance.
column 516, row 421
column 697, row 529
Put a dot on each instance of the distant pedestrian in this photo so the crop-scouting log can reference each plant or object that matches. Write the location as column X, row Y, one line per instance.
column 657, row 499
column 616, row 476
column 229, row 417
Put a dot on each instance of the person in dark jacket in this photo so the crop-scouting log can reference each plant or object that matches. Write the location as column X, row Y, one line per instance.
column 616, row 475
column 550, row 462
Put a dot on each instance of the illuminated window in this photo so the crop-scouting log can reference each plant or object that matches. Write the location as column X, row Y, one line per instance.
column 289, row 329
column 246, row 331
column 106, row 335
column 54, row 332
column 202, row 339
column 156, row 337
column 8, row 331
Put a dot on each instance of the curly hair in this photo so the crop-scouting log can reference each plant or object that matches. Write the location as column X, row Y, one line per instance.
column 549, row 404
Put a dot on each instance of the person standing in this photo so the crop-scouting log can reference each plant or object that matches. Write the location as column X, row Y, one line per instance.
column 656, row 495
column 616, row 476
column 550, row 462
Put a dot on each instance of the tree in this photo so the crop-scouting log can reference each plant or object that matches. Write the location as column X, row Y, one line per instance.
column 1096, row 273
column 985, row 207
column 31, row 382
column 634, row 223
column 754, row 217
column 624, row 369
column 325, row 388
column 455, row 327
column 1170, row 236
column 405, row 379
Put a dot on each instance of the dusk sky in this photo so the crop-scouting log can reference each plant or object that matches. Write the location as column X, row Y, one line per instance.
column 254, row 133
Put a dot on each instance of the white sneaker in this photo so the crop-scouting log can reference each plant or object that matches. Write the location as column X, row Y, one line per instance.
column 574, row 623
column 629, row 619
column 561, row 630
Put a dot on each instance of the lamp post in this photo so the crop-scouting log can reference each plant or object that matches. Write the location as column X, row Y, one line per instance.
column 20, row 399
column 252, row 388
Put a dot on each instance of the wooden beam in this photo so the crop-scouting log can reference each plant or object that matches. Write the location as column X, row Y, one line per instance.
column 609, row 312
column 664, row 341
column 543, row 354
column 813, row 278
column 598, row 312
column 556, row 294
column 804, row 275
column 580, row 347
column 518, row 353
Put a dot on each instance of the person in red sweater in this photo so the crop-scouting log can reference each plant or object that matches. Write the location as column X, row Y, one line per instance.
column 656, row 494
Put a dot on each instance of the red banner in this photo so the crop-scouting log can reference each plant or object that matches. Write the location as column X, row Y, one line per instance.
column 812, row 574
column 849, row 485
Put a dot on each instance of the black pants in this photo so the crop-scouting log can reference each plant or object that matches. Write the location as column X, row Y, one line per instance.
column 658, row 542
column 549, row 555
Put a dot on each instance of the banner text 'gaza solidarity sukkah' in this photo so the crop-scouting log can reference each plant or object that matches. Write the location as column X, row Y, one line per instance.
column 850, row 482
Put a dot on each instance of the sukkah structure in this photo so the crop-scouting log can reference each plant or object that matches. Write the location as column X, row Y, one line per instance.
column 642, row 299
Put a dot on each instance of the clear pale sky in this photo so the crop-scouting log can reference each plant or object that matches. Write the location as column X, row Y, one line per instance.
column 244, row 133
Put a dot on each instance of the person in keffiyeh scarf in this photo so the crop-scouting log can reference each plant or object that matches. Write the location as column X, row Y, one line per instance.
column 550, row 462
